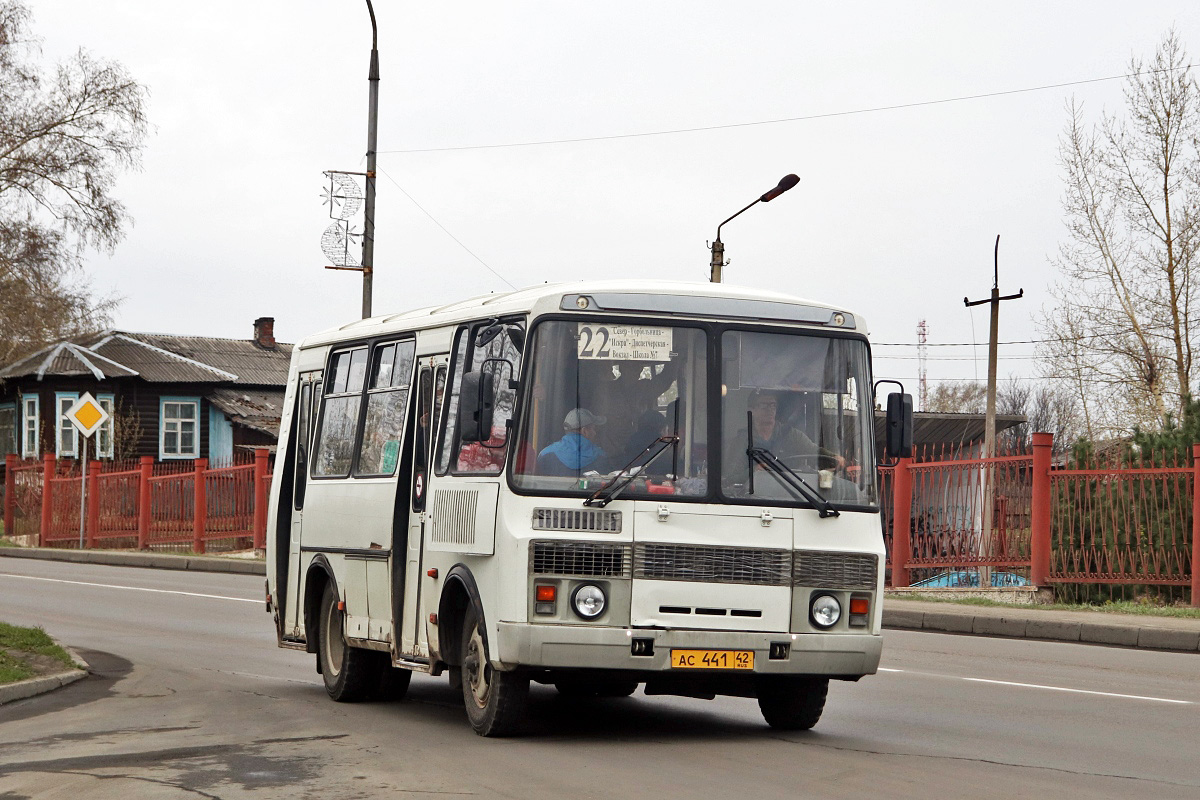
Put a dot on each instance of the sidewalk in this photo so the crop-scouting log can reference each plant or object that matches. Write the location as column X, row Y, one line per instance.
column 1019, row 622
column 1028, row 622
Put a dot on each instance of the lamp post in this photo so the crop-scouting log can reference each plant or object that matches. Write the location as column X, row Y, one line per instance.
column 368, row 255
column 718, row 248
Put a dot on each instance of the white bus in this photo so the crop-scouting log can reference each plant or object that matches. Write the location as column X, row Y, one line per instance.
column 658, row 484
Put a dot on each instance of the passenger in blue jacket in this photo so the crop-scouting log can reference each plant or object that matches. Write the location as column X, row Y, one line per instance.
column 576, row 452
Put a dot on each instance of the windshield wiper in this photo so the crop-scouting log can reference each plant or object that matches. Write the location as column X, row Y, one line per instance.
column 790, row 478
column 617, row 483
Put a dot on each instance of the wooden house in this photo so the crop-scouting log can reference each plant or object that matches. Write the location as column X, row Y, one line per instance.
column 169, row 397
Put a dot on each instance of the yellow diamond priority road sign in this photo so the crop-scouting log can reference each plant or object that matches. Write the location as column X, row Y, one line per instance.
column 87, row 415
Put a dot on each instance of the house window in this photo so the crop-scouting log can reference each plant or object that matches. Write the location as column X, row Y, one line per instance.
column 31, row 425
column 8, row 428
column 178, row 431
column 104, row 436
column 66, row 442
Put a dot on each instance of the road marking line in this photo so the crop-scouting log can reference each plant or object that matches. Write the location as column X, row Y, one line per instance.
column 1043, row 686
column 1080, row 691
column 132, row 588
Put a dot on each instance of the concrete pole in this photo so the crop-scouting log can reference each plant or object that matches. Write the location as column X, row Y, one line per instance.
column 368, row 256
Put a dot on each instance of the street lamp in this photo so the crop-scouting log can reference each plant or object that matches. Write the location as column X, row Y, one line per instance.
column 718, row 249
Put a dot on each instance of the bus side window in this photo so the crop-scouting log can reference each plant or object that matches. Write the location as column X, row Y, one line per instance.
column 501, row 357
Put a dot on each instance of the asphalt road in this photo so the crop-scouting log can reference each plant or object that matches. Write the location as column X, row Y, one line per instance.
column 191, row 698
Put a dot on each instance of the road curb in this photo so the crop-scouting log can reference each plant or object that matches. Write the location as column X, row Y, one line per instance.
column 32, row 687
column 121, row 558
column 1006, row 624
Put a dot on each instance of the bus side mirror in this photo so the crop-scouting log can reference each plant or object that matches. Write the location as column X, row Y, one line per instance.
column 899, row 425
column 477, row 406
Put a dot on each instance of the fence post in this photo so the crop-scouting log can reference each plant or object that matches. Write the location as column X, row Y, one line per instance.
column 47, row 503
column 93, row 504
column 200, row 512
column 901, row 522
column 1039, row 545
column 1196, row 526
column 260, row 498
column 145, row 471
column 10, row 494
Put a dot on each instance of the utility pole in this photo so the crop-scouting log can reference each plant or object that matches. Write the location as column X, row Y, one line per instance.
column 989, row 432
column 368, row 256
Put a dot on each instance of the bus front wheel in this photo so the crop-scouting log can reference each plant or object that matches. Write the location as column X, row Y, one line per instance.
column 350, row 674
column 790, row 703
column 495, row 700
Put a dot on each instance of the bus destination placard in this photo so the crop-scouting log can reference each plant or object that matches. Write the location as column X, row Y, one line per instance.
column 624, row 342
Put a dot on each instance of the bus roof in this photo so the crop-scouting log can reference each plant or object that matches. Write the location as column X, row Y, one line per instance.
column 548, row 296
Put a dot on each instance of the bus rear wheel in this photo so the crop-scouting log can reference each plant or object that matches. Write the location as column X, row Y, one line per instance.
column 495, row 701
column 790, row 703
column 350, row 674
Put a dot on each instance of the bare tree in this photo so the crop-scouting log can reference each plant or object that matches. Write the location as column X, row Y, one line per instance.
column 1047, row 408
column 64, row 138
column 1123, row 328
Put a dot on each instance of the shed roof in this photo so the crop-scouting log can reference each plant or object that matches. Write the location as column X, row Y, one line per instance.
column 259, row 409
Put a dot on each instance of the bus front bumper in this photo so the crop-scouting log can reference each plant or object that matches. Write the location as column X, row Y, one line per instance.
column 584, row 647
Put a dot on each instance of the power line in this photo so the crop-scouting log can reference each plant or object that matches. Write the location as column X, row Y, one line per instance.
column 447, row 232
column 973, row 344
column 805, row 118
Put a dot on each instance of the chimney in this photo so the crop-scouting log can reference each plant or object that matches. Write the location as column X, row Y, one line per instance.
column 264, row 332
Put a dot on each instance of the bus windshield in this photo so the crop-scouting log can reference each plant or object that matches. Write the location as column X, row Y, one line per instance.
column 605, row 395
column 807, row 400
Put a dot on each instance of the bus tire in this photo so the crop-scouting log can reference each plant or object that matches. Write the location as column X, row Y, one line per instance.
column 350, row 674
column 495, row 701
column 393, row 682
column 792, row 704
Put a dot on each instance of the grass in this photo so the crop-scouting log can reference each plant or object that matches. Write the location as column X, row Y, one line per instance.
column 1113, row 607
column 15, row 641
column 5, row 541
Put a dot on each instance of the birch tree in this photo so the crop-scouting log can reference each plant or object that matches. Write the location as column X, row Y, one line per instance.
column 1124, row 324
column 65, row 136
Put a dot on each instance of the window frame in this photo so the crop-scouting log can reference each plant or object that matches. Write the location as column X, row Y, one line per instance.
column 109, row 425
column 453, row 398
column 367, row 392
column 163, row 455
column 36, row 418
column 60, row 419
column 16, row 423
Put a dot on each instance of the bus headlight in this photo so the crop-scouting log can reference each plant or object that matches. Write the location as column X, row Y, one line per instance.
column 825, row 611
column 589, row 601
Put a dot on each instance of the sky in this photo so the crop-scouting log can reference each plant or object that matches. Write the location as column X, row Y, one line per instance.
column 900, row 200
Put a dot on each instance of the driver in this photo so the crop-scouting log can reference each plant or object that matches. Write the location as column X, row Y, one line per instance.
column 781, row 438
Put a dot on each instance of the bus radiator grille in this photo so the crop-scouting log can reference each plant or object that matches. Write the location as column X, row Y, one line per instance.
column 583, row 559
column 575, row 519
column 817, row 570
column 703, row 564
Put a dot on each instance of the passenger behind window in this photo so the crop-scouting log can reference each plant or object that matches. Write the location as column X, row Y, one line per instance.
column 576, row 452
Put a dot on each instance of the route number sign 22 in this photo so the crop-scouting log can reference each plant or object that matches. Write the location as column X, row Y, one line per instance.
column 624, row 342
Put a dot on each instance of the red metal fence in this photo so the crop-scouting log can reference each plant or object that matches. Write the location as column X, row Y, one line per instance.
column 174, row 505
column 1111, row 523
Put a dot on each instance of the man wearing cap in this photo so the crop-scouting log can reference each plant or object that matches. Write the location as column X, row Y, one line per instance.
column 576, row 451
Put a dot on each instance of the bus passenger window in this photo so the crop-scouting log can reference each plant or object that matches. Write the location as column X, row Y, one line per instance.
column 387, row 399
column 339, row 420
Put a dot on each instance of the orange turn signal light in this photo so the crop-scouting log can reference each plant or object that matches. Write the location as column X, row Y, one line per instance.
column 859, row 605
column 545, row 594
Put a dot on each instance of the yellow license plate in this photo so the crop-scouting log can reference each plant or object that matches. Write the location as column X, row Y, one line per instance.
column 712, row 659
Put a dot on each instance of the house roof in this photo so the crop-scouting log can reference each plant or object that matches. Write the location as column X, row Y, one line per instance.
column 258, row 409
column 159, row 358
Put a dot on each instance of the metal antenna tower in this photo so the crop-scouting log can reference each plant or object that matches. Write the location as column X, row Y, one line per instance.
column 922, row 352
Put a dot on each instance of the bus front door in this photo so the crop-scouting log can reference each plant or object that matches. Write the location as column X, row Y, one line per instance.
column 431, row 383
